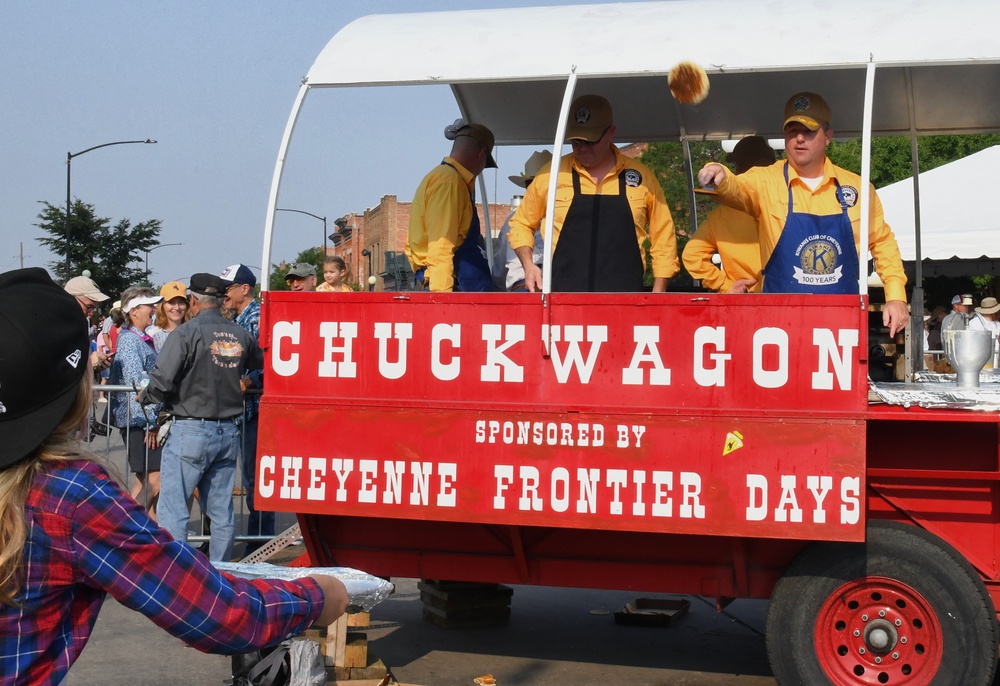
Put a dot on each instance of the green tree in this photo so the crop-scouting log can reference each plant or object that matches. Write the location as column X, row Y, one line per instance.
column 668, row 163
column 313, row 256
column 671, row 169
column 891, row 159
column 109, row 252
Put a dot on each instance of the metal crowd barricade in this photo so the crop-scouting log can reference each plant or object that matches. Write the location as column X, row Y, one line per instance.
column 107, row 440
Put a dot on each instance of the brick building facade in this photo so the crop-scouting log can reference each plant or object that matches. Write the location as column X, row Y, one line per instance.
column 383, row 229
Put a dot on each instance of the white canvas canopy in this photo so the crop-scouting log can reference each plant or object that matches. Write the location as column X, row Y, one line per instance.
column 498, row 62
column 903, row 67
column 958, row 224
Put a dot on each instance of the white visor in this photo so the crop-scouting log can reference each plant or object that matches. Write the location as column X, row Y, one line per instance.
column 141, row 300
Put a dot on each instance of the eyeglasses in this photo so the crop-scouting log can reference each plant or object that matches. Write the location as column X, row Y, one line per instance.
column 89, row 306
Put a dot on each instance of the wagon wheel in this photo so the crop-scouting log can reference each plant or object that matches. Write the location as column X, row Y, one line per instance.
column 903, row 609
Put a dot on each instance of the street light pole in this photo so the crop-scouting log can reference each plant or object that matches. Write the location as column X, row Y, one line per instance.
column 315, row 216
column 371, row 277
column 156, row 247
column 69, row 206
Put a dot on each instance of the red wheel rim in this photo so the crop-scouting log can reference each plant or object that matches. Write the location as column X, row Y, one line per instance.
column 878, row 631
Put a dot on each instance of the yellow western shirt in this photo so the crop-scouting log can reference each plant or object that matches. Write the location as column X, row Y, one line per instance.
column 649, row 208
column 733, row 235
column 761, row 192
column 439, row 221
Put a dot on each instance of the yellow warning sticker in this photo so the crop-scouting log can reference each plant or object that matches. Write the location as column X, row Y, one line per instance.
column 734, row 441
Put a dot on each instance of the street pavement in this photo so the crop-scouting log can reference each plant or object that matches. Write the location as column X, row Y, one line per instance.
column 555, row 637
column 560, row 636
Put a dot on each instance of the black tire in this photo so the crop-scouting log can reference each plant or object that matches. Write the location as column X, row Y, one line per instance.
column 939, row 601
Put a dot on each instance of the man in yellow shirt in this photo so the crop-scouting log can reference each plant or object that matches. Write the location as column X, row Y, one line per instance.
column 730, row 233
column 809, row 217
column 606, row 206
column 445, row 240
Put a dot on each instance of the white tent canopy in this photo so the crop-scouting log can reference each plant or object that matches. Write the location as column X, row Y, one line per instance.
column 508, row 67
column 957, row 220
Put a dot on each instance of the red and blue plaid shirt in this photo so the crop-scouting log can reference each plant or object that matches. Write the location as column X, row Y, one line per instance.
column 87, row 538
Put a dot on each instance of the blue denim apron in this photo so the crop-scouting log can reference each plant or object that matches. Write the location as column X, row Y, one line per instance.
column 472, row 269
column 815, row 253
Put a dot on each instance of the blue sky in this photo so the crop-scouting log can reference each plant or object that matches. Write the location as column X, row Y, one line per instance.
column 213, row 82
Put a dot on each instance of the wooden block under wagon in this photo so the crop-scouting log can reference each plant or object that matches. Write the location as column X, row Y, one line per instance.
column 470, row 592
column 492, row 617
column 457, row 604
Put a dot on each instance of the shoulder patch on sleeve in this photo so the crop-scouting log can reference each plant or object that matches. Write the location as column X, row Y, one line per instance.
column 632, row 177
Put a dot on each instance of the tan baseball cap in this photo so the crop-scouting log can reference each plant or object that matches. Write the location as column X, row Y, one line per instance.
column 485, row 138
column 809, row 109
column 589, row 118
column 84, row 287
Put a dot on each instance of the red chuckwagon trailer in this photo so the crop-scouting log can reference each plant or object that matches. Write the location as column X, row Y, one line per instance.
column 721, row 445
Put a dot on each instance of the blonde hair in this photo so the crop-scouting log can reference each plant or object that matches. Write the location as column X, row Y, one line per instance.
column 161, row 314
column 62, row 445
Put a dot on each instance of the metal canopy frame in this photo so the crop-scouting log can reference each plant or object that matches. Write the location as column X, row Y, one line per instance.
column 899, row 67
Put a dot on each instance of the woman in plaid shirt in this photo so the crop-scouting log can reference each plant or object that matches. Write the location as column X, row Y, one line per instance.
column 69, row 535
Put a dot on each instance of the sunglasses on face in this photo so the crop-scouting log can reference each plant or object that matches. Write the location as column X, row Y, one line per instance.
column 591, row 143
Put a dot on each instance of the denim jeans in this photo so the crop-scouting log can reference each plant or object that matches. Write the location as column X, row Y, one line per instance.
column 200, row 454
column 258, row 523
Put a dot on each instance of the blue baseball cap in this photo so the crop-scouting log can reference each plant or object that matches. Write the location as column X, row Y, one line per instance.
column 239, row 273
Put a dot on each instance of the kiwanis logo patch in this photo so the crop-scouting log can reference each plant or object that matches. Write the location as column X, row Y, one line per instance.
column 820, row 261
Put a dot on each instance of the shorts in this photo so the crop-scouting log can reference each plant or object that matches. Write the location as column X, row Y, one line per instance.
column 135, row 440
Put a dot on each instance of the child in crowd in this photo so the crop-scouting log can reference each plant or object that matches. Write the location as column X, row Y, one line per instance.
column 334, row 276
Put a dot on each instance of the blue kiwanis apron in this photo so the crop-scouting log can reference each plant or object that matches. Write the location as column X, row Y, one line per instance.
column 815, row 253
column 597, row 249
